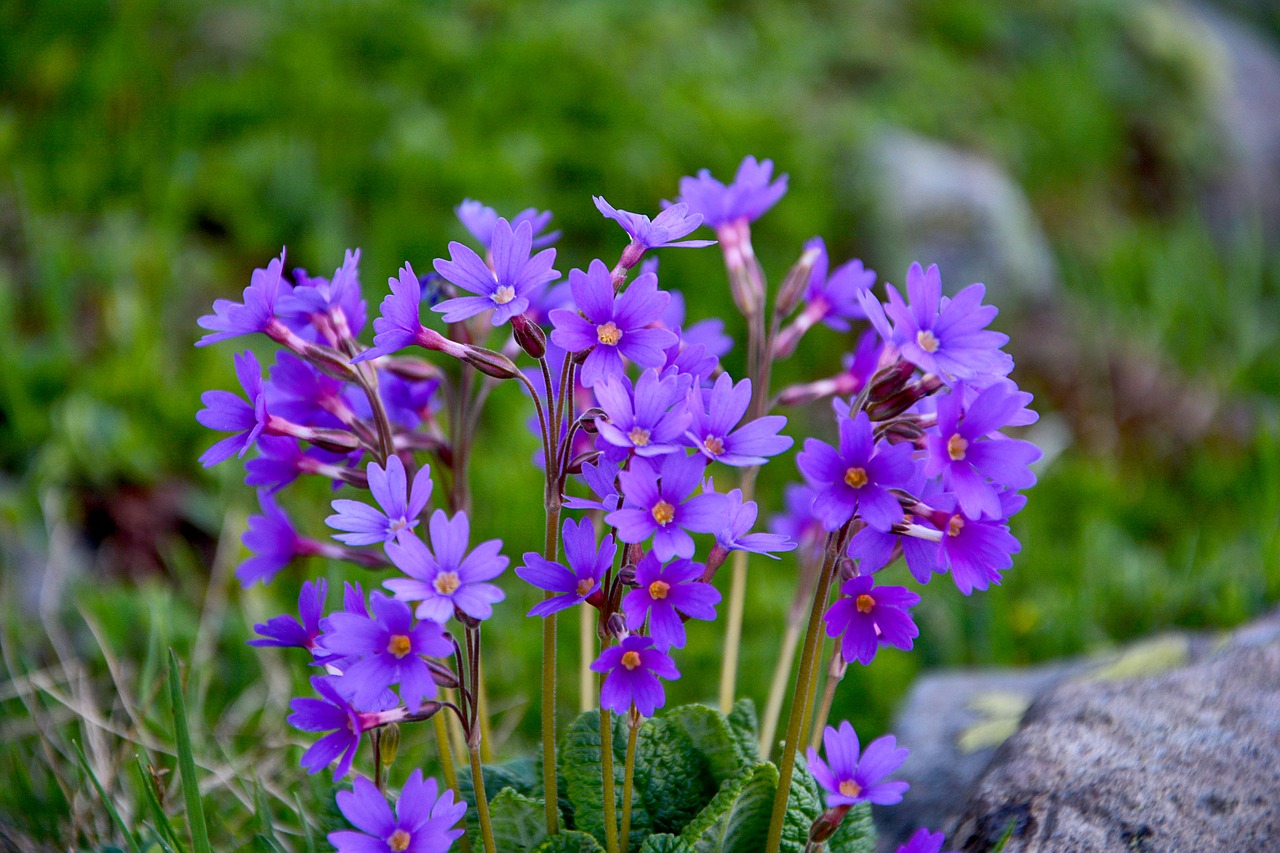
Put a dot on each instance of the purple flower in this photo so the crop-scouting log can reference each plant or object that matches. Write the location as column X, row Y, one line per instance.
column 286, row 632
column 709, row 333
column 748, row 197
column 672, row 224
column 946, row 337
column 740, row 516
column 423, row 822
column 400, row 323
column 408, row 402
column 798, row 523
column 273, row 541
column 966, row 459
column 833, row 299
column 299, row 393
column 279, row 461
column 647, row 419
column 600, row 478
column 336, row 303
column 612, row 327
column 505, row 289
column 388, row 649
column 857, row 478
column 480, row 220
column 226, row 412
column 345, row 725
column 664, row 595
column 850, row 780
column 977, row 550
column 634, row 668
column 450, row 577
column 716, row 412
column 400, row 506
column 577, row 582
column 923, row 841
column 658, row 504
column 868, row 616
column 256, row 314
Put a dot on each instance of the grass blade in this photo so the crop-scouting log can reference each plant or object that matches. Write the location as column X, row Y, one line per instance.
column 106, row 801
column 187, row 762
column 165, row 836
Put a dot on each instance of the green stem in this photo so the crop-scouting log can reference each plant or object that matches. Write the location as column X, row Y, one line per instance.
column 737, row 605
column 814, row 677
column 448, row 771
column 628, row 776
column 606, row 767
column 813, row 633
column 587, row 647
column 482, row 803
column 549, row 783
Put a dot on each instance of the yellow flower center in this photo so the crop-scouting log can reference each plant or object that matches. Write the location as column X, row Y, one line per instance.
column 631, row 660
column 504, row 294
column 850, row 788
column 446, row 582
column 399, row 841
column 585, row 585
column 926, row 340
column 399, row 645
column 663, row 513
column 714, row 445
column 956, row 447
column 609, row 334
column 855, row 478
column 865, row 603
column 658, row 589
column 955, row 525
column 639, row 437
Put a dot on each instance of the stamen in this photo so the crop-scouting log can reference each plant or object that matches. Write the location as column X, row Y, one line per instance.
column 955, row 525
column 639, row 436
column 865, row 603
column 631, row 660
column 956, row 447
column 504, row 294
column 446, row 582
column 399, row 841
column 399, row 645
column 609, row 334
column 659, row 589
column 926, row 340
column 714, row 445
column 663, row 513
column 585, row 586
column 850, row 788
column 855, row 478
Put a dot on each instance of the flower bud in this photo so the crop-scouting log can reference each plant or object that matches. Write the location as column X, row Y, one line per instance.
column 388, row 744
column 490, row 363
column 442, row 675
column 616, row 626
column 890, row 380
column 904, row 431
column 797, row 280
column 529, row 335
column 827, row 824
column 587, row 420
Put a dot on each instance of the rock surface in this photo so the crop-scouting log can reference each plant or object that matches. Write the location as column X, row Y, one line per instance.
column 1184, row 760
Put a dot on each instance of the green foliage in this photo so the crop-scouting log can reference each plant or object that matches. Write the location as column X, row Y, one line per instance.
column 186, row 761
column 571, row 841
column 738, row 817
column 519, row 822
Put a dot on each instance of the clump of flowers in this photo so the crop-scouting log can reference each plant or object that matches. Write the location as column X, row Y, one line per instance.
column 636, row 417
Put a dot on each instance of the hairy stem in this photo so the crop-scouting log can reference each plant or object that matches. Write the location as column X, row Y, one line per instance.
column 482, row 803
column 447, row 770
column 628, row 775
column 587, row 646
column 549, row 782
column 606, row 768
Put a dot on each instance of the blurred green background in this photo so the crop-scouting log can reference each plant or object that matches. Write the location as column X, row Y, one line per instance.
column 1108, row 168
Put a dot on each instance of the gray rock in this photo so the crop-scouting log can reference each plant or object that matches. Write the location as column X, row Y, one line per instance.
column 936, row 204
column 1187, row 760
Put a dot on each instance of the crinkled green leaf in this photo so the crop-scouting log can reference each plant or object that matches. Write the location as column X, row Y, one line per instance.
column 673, row 779
column 745, row 727
column 737, row 818
column 709, row 731
column 521, row 775
column 802, row 809
column 856, row 833
column 584, row 781
column 571, row 841
column 665, row 843
column 519, row 822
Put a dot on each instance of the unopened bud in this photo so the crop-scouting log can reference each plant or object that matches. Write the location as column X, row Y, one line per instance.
column 799, row 395
column 890, row 380
column 893, row 406
column 329, row 361
column 586, row 458
column 847, row 569
column 902, row 432
column 333, row 440
column 389, row 744
column 616, row 626
column 587, row 420
column 490, row 363
column 529, row 335
column 442, row 675
column 627, row 575
column 827, row 824
column 797, row 280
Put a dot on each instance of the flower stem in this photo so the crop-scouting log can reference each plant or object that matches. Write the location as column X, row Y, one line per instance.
column 835, row 673
column 606, row 767
column 628, row 776
column 814, row 676
column 447, row 769
column 482, row 804
column 813, row 633
column 549, row 783
column 482, row 709
column 586, row 643
column 737, row 604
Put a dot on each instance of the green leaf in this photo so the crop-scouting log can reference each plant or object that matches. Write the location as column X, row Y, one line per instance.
column 165, row 836
column 737, row 818
column 262, row 814
column 571, row 841
column 186, row 761
column 856, row 833
column 665, row 844
column 523, row 776
column 583, row 774
column 745, row 727
column 519, row 822
column 710, row 734
column 673, row 778
column 802, row 809
column 106, row 801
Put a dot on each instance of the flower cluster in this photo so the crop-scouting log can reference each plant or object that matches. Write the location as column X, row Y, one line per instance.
column 636, row 417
